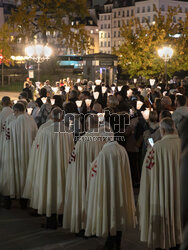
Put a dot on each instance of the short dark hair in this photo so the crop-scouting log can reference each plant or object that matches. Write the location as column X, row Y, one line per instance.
column 181, row 99
column 165, row 113
column 6, row 100
column 19, row 106
column 23, row 95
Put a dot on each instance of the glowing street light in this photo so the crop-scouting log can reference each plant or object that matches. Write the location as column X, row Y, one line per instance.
column 38, row 53
column 166, row 54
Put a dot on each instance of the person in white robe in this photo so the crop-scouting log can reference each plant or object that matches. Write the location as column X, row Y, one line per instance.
column 55, row 144
column 5, row 151
column 110, row 205
column 6, row 111
column 84, row 153
column 159, row 197
column 34, row 161
column 21, row 133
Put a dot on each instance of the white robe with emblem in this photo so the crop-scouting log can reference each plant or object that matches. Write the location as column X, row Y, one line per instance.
column 22, row 132
column 48, row 190
column 159, row 197
column 6, row 111
column 110, row 205
column 86, row 150
column 34, row 161
column 5, row 148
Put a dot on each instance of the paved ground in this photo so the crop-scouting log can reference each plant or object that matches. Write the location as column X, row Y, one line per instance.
column 12, row 95
column 20, row 231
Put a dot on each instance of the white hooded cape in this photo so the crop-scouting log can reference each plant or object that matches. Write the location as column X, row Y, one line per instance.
column 48, row 188
column 5, row 133
column 34, row 161
column 6, row 111
column 22, row 132
column 159, row 197
column 110, row 205
column 86, row 150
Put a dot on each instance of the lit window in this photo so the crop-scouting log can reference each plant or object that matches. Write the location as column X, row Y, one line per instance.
column 105, row 35
column 101, row 34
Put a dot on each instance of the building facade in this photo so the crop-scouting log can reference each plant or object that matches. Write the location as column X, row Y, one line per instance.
column 116, row 12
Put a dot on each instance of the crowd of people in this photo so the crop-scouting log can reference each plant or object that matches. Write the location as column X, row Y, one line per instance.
column 74, row 153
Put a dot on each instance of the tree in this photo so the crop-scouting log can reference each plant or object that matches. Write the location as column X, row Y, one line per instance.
column 51, row 17
column 5, row 48
column 5, row 45
column 138, row 53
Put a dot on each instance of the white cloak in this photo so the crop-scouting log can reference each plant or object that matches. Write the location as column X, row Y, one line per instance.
column 22, row 132
column 110, row 205
column 5, row 149
column 33, row 163
column 86, row 150
column 6, row 111
column 159, row 197
column 48, row 188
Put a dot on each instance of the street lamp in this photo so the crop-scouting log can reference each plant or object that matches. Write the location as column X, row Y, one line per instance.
column 38, row 53
column 166, row 54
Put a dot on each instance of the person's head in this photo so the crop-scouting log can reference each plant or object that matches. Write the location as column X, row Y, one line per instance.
column 167, row 127
column 57, row 114
column 157, row 104
column 23, row 102
column 153, row 116
column 97, row 107
column 165, row 114
column 18, row 109
column 92, row 122
column 73, row 96
column 6, row 102
column 181, row 100
column 58, row 101
column 112, row 101
column 23, row 95
column 43, row 92
column 70, row 108
column 166, row 102
column 84, row 95
column 47, row 82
